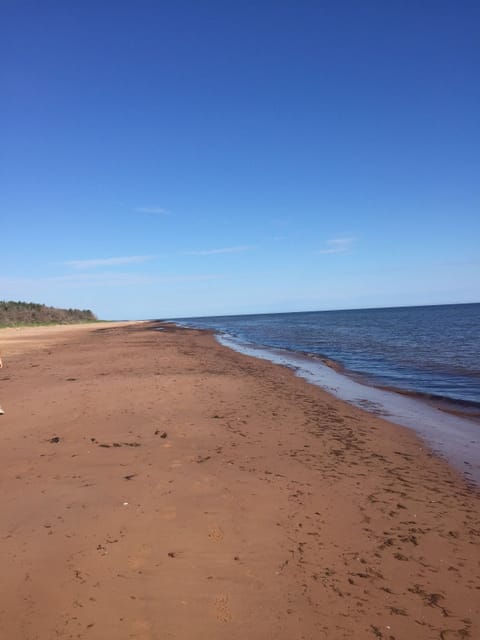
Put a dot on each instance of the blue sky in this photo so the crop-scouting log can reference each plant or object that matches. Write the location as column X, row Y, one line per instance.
column 167, row 159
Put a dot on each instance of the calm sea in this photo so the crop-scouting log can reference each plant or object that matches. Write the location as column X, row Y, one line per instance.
column 431, row 355
column 432, row 350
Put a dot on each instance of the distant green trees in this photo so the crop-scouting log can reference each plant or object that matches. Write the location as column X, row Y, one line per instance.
column 21, row 313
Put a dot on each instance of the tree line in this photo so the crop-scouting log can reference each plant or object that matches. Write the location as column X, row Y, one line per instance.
column 21, row 313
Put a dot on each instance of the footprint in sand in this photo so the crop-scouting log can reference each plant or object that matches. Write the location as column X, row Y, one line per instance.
column 170, row 513
column 222, row 610
column 141, row 630
column 205, row 482
column 139, row 559
column 216, row 533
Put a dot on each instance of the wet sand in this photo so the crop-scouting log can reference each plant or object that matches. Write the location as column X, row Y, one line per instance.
column 157, row 485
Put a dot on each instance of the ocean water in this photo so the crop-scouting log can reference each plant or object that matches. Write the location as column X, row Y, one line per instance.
column 417, row 366
column 432, row 350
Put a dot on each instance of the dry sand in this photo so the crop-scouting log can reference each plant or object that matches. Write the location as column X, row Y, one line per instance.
column 156, row 485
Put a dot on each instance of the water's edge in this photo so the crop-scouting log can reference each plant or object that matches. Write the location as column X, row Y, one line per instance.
column 431, row 353
column 454, row 438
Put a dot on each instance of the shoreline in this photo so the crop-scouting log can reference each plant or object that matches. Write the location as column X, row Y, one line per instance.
column 450, row 435
column 468, row 409
column 363, row 372
column 456, row 406
column 197, row 492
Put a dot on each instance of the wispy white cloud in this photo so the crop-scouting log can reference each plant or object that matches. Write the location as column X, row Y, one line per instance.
column 158, row 210
column 211, row 252
column 338, row 245
column 107, row 262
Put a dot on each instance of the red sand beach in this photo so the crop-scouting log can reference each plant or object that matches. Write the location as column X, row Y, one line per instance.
column 157, row 485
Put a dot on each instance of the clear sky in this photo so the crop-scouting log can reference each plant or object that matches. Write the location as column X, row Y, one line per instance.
column 166, row 159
